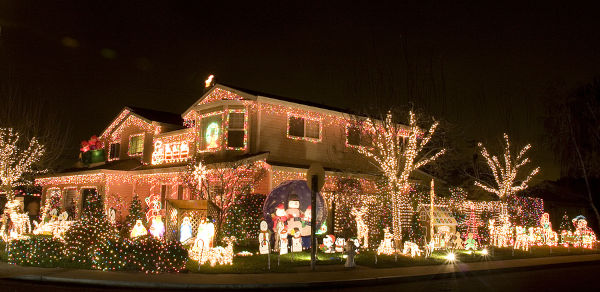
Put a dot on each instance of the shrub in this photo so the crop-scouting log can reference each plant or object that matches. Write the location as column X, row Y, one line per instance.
column 151, row 255
column 111, row 255
column 36, row 251
column 85, row 236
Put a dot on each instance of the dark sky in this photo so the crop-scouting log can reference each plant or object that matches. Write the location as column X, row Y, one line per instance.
column 486, row 67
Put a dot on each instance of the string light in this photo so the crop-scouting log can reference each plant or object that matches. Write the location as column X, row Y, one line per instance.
column 397, row 159
column 505, row 175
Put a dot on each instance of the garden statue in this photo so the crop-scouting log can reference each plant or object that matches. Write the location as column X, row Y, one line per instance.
column 279, row 216
column 411, row 248
column 296, row 240
column 283, row 240
column 362, row 229
column 387, row 245
column 278, row 229
column 20, row 221
column 293, row 213
column 185, row 230
column 305, row 230
column 339, row 244
column 470, row 243
column 550, row 236
column 350, row 252
column 584, row 235
column 328, row 245
column 138, row 230
column 522, row 240
column 157, row 228
column 430, row 247
column 263, row 238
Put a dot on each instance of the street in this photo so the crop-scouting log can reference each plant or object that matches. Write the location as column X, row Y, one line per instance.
column 570, row 278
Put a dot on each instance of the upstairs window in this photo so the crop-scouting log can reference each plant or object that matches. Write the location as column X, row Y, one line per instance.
column 211, row 132
column 115, row 149
column 136, row 145
column 355, row 137
column 303, row 128
column 236, row 132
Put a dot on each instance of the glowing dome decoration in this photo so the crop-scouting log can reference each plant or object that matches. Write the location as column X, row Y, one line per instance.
column 281, row 194
column 211, row 135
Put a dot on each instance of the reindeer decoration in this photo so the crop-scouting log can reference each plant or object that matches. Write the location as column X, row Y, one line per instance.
column 362, row 229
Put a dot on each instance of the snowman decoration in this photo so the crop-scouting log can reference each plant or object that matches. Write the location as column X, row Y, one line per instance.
column 280, row 216
column 283, row 240
column 339, row 244
column 296, row 240
column 263, row 238
column 328, row 244
column 293, row 213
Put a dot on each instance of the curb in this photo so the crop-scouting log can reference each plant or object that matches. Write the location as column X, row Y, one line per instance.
column 292, row 285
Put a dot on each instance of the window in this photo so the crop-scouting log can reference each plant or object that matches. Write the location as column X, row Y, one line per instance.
column 211, row 132
column 236, row 134
column 355, row 137
column 115, row 149
column 163, row 195
column 179, row 192
column 136, row 144
column 303, row 128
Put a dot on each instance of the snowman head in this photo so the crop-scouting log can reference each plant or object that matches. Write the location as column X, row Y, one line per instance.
column 328, row 240
column 293, row 202
column 339, row 241
column 263, row 225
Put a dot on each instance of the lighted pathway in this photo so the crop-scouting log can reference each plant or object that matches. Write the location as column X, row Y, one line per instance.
column 325, row 275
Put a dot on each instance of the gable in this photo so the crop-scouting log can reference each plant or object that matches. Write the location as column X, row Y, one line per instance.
column 124, row 120
column 216, row 93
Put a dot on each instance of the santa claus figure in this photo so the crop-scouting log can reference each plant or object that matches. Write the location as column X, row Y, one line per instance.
column 328, row 245
column 279, row 216
column 263, row 238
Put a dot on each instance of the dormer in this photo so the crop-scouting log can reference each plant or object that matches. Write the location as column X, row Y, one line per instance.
column 130, row 135
column 221, row 119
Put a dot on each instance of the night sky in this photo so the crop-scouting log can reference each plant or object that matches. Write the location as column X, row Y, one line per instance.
column 486, row 68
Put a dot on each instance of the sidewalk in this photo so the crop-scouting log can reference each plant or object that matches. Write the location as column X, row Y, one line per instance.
column 322, row 278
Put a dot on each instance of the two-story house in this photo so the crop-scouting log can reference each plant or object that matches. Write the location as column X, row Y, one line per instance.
column 147, row 151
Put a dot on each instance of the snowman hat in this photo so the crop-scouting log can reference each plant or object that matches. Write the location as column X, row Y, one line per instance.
column 293, row 197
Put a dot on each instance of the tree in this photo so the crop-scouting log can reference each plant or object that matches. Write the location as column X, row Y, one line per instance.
column 244, row 217
column 135, row 213
column 573, row 121
column 223, row 183
column 565, row 223
column 17, row 158
column 397, row 151
column 505, row 175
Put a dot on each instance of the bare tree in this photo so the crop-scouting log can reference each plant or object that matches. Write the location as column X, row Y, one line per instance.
column 397, row 151
column 506, row 173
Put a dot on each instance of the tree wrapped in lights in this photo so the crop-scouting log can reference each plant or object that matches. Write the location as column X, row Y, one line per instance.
column 397, row 151
column 244, row 216
column 16, row 158
column 87, row 234
column 135, row 213
column 505, row 174
column 223, row 183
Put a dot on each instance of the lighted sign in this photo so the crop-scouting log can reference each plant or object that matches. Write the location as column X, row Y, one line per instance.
column 170, row 152
column 211, row 135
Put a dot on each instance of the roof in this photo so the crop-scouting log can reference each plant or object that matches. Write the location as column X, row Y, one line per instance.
column 121, row 164
column 158, row 116
column 289, row 99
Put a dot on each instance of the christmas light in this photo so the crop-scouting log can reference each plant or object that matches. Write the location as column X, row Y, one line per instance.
column 505, row 176
column 397, row 159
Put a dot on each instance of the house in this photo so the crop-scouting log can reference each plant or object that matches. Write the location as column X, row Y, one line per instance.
column 147, row 151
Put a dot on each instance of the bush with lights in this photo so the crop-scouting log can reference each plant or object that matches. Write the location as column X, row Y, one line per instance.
column 152, row 255
column 87, row 234
column 112, row 255
column 40, row 251
column 244, row 217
